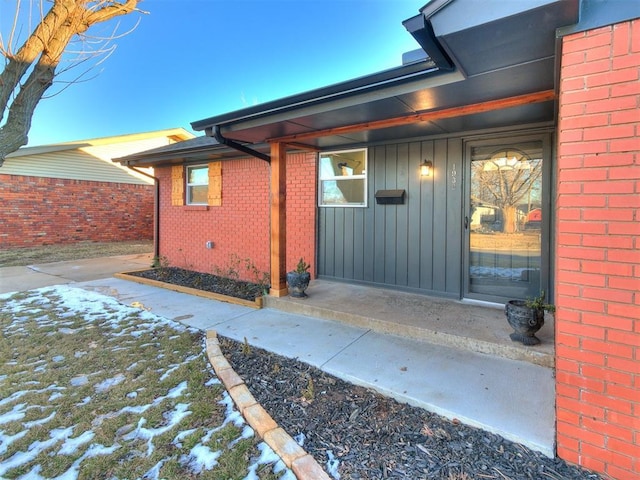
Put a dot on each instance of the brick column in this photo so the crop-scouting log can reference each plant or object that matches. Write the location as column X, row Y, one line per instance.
column 598, row 251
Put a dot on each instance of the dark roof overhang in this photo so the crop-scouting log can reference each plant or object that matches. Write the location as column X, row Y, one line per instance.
column 492, row 35
column 195, row 150
column 477, row 54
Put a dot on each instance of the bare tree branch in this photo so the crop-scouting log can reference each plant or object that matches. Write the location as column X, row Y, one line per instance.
column 39, row 57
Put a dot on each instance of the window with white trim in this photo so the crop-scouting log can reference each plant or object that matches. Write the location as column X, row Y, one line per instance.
column 197, row 184
column 343, row 178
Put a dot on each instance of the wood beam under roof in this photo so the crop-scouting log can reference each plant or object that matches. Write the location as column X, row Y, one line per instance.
column 432, row 115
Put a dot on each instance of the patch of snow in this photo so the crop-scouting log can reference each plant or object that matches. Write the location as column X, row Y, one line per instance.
column 109, row 382
column 200, row 458
column 55, row 396
column 58, row 358
column 42, row 421
column 132, row 366
column 67, row 331
column 499, row 272
column 79, row 381
column 300, row 438
column 154, row 472
column 70, row 446
column 13, row 396
column 268, row 456
column 247, row 432
column 6, row 440
column 178, row 390
column 231, row 414
column 132, row 395
column 332, row 465
column 15, row 414
column 168, row 372
column 21, row 458
column 177, row 441
column 172, row 419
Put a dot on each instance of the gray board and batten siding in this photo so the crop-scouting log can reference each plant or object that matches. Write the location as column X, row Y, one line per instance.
column 421, row 245
column 414, row 246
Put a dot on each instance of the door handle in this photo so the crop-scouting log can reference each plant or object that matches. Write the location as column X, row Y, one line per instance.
column 466, row 222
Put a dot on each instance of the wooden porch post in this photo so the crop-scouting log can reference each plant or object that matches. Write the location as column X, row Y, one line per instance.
column 278, row 220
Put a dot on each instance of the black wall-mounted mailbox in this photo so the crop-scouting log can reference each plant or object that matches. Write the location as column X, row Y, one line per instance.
column 390, row 197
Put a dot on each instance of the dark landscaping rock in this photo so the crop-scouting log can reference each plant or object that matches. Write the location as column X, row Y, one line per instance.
column 375, row 437
column 203, row 281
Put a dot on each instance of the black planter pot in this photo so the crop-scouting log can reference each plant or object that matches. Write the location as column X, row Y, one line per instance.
column 298, row 283
column 525, row 321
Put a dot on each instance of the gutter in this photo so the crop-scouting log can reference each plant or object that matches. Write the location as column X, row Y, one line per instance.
column 337, row 91
column 422, row 31
column 215, row 133
column 156, row 210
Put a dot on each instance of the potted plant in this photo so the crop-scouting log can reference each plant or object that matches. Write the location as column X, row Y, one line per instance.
column 298, row 279
column 526, row 317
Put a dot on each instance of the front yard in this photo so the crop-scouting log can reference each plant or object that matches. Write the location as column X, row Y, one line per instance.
column 90, row 388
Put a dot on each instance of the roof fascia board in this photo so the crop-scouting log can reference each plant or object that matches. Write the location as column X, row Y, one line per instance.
column 132, row 137
column 434, row 6
column 463, row 15
column 180, row 133
column 188, row 155
column 422, row 32
column 324, row 105
column 25, row 151
column 342, row 89
column 601, row 13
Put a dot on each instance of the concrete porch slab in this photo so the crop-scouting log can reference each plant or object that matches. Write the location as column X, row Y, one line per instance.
column 473, row 327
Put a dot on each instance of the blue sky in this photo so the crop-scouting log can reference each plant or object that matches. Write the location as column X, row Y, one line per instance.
column 191, row 59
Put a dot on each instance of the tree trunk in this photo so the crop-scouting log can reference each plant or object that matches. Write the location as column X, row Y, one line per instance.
column 509, row 219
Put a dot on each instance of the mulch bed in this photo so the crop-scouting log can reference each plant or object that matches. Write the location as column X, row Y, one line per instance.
column 376, row 437
column 371, row 436
column 203, row 281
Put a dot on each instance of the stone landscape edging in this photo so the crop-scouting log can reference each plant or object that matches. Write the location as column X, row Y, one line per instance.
column 257, row 303
column 303, row 465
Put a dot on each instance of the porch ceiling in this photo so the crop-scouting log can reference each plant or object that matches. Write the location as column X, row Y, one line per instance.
column 521, row 80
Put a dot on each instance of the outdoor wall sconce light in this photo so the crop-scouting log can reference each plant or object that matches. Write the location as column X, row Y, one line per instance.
column 425, row 168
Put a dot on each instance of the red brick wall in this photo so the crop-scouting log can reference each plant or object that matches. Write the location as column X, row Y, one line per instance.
column 598, row 251
column 301, row 210
column 240, row 228
column 40, row 211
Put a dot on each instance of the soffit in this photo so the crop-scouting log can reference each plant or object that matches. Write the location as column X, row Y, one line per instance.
column 522, row 79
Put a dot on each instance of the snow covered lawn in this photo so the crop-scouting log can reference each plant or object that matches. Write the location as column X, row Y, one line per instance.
column 90, row 388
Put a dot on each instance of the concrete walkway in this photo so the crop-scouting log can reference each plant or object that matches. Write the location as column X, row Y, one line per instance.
column 512, row 398
column 16, row 279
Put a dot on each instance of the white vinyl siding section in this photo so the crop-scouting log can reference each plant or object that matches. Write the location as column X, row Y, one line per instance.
column 88, row 161
column 72, row 164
